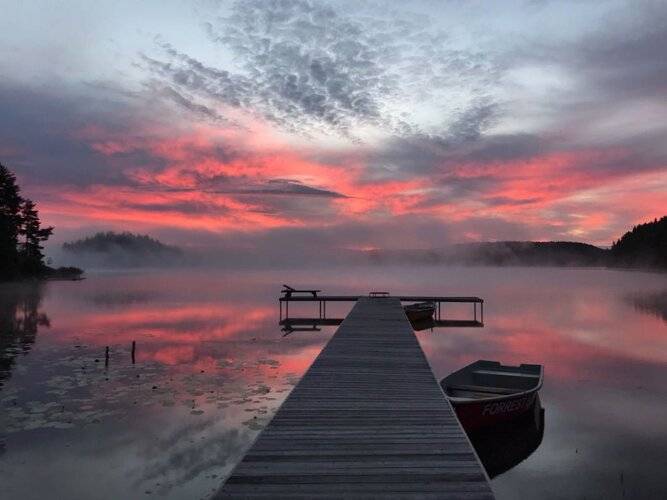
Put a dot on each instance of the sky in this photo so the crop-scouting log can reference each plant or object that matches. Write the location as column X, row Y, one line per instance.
column 259, row 125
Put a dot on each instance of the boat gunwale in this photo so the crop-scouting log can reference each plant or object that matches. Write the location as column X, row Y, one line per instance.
column 420, row 306
column 461, row 401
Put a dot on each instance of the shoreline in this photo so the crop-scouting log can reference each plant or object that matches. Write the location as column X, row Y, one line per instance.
column 51, row 274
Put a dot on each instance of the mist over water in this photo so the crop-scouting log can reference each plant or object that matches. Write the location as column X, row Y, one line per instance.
column 211, row 366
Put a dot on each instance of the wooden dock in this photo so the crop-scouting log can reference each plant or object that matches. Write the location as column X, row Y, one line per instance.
column 292, row 295
column 367, row 420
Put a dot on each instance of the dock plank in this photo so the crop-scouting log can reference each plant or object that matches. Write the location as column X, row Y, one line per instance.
column 367, row 420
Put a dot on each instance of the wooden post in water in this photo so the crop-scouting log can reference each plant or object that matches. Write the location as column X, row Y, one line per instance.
column 134, row 347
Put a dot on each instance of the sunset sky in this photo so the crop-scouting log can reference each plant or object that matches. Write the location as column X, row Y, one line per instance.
column 353, row 124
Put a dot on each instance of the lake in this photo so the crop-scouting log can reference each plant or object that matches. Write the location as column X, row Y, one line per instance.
column 210, row 366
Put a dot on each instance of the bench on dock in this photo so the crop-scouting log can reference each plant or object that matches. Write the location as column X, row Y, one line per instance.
column 287, row 291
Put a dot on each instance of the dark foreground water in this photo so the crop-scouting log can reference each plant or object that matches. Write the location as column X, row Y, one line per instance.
column 211, row 367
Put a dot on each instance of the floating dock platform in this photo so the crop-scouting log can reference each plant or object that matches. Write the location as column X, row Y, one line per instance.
column 367, row 420
column 291, row 295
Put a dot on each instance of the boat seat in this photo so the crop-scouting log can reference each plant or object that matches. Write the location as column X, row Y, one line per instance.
column 483, row 388
column 507, row 374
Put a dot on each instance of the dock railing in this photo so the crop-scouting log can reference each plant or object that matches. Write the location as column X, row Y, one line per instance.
column 290, row 294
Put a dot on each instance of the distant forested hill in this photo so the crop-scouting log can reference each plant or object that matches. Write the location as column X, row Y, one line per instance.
column 531, row 253
column 124, row 249
column 643, row 246
column 502, row 253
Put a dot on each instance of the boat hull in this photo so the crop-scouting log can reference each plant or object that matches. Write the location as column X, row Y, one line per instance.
column 419, row 312
column 486, row 412
column 421, row 315
column 502, row 447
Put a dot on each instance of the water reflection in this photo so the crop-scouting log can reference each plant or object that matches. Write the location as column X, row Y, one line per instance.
column 605, row 363
column 20, row 320
column 209, row 371
column 650, row 303
column 212, row 366
column 505, row 445
column 424, row 324
column 290, row 325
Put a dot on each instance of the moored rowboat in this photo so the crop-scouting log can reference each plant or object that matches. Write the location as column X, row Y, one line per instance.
column 419, row 311
column 486, row 392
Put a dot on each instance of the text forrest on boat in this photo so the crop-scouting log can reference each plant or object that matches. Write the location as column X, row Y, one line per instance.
column 486, row 392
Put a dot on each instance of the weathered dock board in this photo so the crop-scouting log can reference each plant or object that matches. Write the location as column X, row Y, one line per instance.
column 367, row 420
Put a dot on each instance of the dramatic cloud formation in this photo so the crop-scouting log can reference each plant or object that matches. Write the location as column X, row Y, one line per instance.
column 309, row 66
column 257, row 125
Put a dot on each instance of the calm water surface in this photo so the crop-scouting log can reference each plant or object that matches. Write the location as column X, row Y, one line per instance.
column 211, row 367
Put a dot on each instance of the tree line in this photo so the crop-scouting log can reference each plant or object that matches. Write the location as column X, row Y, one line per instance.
column 643, row 246
column 21, row 232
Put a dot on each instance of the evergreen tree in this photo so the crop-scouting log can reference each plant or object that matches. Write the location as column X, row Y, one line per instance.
column 21, row 234
column 31, row 256
column 10, row 223
column 644, row 246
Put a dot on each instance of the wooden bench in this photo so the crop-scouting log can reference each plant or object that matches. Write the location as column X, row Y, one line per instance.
column 287, row 291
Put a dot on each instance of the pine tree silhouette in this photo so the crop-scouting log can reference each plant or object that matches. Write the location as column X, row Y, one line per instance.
column 31, row 256
column 10, row 223
column 21, row 232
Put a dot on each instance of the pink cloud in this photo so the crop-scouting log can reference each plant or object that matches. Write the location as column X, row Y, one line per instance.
column 218, row 179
